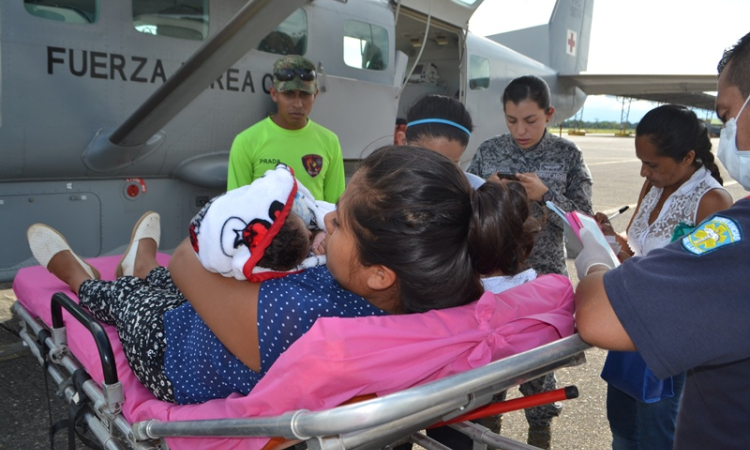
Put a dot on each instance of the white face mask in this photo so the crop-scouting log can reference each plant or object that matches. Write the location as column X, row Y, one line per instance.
column 736, row 161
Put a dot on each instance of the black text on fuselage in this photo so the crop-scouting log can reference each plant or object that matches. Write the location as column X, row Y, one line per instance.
column 139, row 69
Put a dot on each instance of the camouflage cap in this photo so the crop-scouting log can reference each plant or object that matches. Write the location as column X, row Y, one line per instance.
column 294, row 62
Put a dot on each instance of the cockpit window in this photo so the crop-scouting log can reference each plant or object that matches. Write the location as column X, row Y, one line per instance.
column 187, row 19
column 365, row 45
column 289, row 38
column 70, row 11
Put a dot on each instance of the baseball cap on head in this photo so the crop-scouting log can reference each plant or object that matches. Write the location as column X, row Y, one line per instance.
column 293, row 72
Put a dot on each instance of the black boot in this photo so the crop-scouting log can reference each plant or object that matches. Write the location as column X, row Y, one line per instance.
column 494, row 423
column 540, row 437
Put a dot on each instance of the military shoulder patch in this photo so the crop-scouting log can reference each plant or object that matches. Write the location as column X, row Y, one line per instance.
column 711, row 235
column 313, row 164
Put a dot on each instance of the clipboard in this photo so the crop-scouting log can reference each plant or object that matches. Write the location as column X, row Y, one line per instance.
column 574, row 222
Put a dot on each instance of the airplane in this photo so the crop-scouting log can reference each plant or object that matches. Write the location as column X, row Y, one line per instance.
column 111, row 109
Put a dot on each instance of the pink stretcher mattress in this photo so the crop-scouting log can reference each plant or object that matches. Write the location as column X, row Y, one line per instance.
column 338, row 360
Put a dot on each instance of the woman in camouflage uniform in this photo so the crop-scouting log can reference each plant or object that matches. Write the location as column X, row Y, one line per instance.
column 550, row 169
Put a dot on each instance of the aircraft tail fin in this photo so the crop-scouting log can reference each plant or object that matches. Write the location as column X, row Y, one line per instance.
column 570, row 33
column 562, row 44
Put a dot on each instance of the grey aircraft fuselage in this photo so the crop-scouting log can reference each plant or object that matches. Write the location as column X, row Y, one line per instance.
column 102, row 120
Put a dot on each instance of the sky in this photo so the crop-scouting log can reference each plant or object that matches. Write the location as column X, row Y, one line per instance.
column 635, row 37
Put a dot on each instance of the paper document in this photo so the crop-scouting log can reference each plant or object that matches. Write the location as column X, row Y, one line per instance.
column 575, row 221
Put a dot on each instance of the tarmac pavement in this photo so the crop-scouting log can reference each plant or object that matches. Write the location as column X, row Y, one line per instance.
column 25, row 420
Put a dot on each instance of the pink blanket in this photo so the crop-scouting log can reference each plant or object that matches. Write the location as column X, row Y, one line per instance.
column 338, row 358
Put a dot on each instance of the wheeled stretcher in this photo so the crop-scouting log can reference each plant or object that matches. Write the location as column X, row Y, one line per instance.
column 410, row 372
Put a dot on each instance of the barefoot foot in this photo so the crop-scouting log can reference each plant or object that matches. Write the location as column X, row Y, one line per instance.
column 66, row 267
column 145, row 258
column 147, row 228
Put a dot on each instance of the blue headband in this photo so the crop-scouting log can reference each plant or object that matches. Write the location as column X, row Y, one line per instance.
column 447, row 122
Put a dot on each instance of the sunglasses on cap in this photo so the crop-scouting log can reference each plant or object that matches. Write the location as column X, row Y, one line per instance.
column 289, row 74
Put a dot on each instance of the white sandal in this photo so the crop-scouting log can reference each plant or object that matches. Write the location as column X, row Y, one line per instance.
column 45, row 242
column 147, row 227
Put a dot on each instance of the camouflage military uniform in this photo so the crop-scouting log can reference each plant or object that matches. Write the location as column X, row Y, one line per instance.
column 559, row 164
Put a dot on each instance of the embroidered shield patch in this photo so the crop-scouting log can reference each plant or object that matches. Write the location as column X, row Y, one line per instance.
column 712, row 235
column 312, row 164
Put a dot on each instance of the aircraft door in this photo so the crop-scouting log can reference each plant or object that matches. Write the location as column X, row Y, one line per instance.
column 360, row 73
column 454, row 12
column 436, row 52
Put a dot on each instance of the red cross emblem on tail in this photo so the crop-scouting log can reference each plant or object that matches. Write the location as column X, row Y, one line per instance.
column 570, row 47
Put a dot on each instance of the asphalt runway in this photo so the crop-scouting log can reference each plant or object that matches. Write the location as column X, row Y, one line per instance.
column 582, row 424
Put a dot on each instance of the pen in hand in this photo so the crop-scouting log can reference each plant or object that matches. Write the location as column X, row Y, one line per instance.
column 619, row 211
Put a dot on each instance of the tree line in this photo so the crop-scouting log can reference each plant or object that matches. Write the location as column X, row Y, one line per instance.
column 598, row 125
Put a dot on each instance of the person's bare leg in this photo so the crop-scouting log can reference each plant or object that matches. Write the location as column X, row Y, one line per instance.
column 66, row 267
column 145, row 258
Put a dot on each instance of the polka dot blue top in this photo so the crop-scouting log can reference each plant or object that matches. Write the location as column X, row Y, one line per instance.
column 201, row 368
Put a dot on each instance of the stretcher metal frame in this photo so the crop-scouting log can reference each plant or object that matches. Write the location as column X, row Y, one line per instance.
column 371, row 424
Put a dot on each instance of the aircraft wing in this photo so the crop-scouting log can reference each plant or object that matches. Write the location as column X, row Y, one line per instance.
column 689, row 90
column 130, row 141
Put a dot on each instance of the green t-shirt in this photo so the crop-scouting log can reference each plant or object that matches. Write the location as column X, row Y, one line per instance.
column 313, row 152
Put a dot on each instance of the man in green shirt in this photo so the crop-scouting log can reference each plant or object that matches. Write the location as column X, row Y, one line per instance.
column 290, row 137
